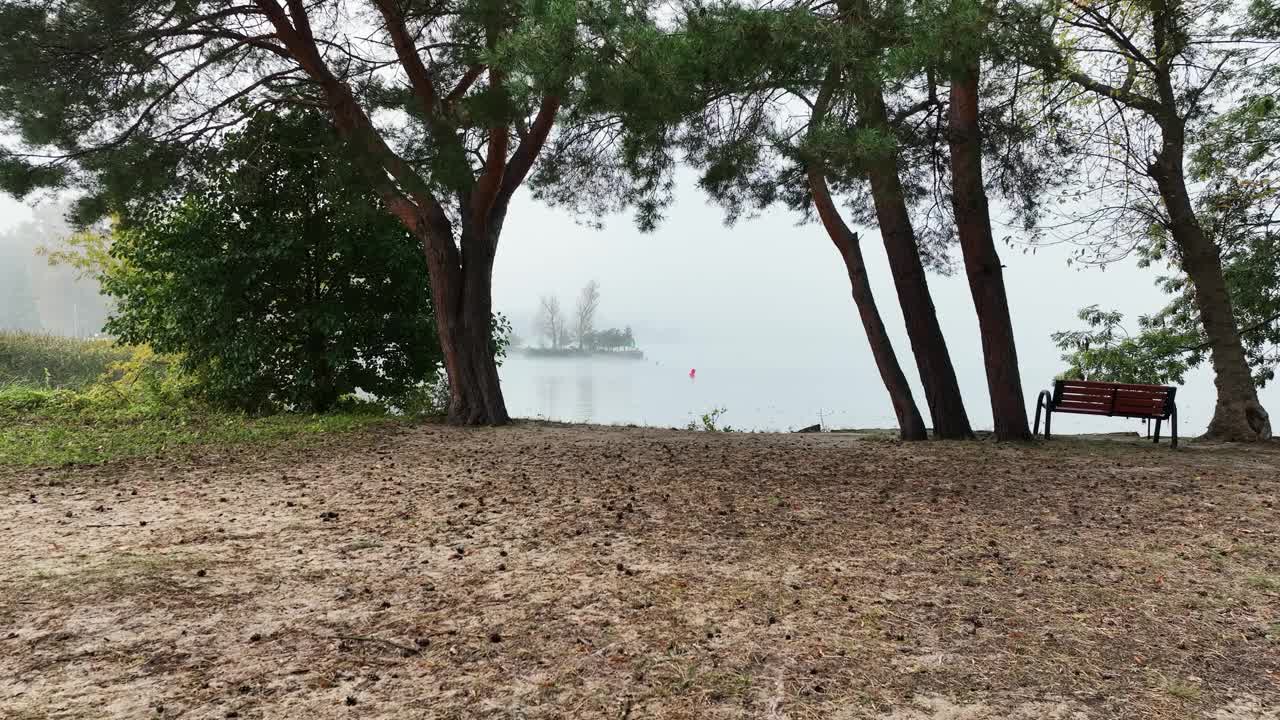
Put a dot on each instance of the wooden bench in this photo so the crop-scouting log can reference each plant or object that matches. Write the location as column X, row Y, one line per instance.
column 1084, row 397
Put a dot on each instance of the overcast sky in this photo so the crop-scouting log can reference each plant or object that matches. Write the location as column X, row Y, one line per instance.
column 773, row 294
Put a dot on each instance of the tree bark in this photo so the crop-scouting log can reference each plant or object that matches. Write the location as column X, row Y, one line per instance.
column 324, row 389
column 1237, row 416
column 462, row 298
column 937, row 375
column 981, row 261
column 910, row 424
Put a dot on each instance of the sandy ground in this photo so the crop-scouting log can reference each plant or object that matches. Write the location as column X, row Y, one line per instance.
column 546, row 572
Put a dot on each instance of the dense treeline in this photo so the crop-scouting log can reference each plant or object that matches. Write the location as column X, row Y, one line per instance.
column 1149, row 126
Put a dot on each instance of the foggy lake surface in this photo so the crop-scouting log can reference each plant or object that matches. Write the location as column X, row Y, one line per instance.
column 760, row 392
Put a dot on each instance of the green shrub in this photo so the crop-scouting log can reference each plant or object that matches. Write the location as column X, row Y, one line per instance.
column 147, row 378
column 710, row 421
column 276, row 283
column 427, row 399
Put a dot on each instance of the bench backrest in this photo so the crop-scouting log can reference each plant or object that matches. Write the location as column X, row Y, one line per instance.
column 1105, row 398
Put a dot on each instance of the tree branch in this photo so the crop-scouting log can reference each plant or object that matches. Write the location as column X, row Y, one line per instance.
column 419, row 76
column 468, row 79
column 828, row 213
column 527, row 151
column 487, row 187
column 1242, row 331
column 1128, row 97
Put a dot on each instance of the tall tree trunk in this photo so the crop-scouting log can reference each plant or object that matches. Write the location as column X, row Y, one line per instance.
column 937, row 375
column 461, row 280
column 324, row 388
column 981, row 261
column 1237, row 416
column 462, row 296
column 910, row 424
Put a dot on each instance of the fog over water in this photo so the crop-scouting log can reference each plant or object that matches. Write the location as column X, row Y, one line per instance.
column 762, row 310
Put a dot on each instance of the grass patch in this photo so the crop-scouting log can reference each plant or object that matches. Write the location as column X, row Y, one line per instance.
column 118, row 574
column 1265, row 582
column 48, row 361
column 67, row 401
column 1183, row 690
column 59, row 427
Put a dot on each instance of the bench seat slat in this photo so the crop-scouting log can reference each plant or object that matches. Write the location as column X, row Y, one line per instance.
column 1123, row 402
column 1074, row 405
column 1141, row 394
column 1108, row 386
column 1068, row 395
column 1150, row 408
column 1083, row 411
column 1096, row 392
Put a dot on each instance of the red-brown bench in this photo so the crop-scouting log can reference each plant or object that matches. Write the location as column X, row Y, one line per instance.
column 1084, row 397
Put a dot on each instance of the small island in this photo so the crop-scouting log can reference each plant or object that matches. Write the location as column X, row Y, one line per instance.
column 578, row 336
column 610, row 342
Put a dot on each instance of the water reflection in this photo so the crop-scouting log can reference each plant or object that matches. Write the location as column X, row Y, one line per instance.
column 586, row 382
column 548, row 385
column 649, row 392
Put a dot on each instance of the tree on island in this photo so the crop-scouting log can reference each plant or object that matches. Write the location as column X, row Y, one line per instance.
column 612, row 340
column 585, row 313
column 551, row 321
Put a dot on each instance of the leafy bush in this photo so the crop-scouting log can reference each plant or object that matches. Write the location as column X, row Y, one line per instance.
column 277, row 284
column 427, row 399
column 142, row 385
column 17, row 401
column 1104, row 351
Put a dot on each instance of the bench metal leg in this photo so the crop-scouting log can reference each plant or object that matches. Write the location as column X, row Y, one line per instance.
column 1173, row 427
column 1048, row 417
column 1157, row 436
column 1042, row 403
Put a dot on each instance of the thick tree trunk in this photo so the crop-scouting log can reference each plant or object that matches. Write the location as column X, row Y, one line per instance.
column 324, row 389
column 982, row 262
column 937, row 375
column 910, row 424
column 463, row 305
column 1238, row 416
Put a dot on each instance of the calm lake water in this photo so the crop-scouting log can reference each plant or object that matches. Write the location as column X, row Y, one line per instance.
column 760, row 393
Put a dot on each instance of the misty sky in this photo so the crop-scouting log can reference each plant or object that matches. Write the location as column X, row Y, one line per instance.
column 768, row 293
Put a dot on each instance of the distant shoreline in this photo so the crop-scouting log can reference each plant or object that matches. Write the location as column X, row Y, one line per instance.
column 576, row 353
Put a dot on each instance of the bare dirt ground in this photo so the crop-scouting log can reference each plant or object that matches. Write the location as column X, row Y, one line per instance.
column 576, row 572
